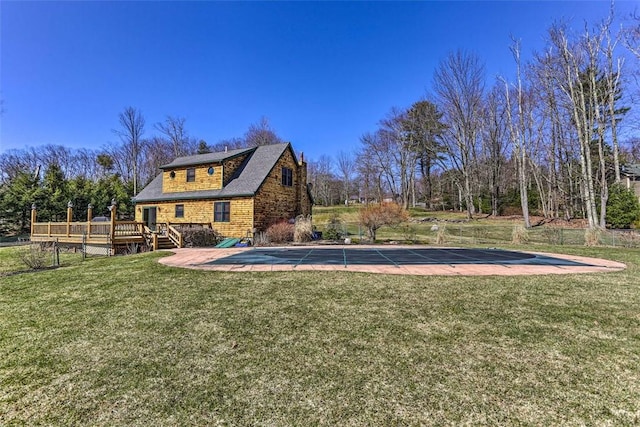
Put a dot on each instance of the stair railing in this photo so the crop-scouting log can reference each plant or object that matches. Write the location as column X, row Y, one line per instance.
column 148, row 237
column 175, row 236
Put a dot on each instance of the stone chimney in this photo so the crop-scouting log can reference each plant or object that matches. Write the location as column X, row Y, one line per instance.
column 303, row 196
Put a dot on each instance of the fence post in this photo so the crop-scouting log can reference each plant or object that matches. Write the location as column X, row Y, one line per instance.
column 89, row 216
column 69, row 216
column 56, row 254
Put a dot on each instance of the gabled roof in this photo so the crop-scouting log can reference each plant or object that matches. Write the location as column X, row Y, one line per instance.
column 631, row 170
column 201, row 159
column 245, row 182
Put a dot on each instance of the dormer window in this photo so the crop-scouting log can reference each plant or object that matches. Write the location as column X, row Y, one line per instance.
column 191, row 175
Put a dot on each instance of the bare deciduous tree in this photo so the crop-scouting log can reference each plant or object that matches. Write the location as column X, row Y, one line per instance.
column 458, row 83
column 369, row 173
column 346, row 167
column 174, row 130
column 494, row 143
column 519, row 132
column 130, row 133
column 261, row 133
column 321, row 178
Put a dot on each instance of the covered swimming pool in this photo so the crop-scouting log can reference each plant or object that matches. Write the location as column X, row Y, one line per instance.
column 346, row 256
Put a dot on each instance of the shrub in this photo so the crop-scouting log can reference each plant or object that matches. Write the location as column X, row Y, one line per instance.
column 35, row 257
column 199, row 236
column 623, row 208
column 409, row 233
column 281, row 232
column 374, row 216
column 261, row 239
column 553, row 235
column 303, row 229
column 441, row 235
column 133, row 248
column 592, row 236
column 519, row 235
column 333, row 230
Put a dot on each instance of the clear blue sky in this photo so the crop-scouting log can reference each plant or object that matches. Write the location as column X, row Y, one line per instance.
column 322, row 73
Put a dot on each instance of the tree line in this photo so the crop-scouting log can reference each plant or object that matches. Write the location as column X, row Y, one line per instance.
column 52, row 176
column 550, row 141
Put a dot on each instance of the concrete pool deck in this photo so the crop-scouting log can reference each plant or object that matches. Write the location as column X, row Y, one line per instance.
column 231, row 260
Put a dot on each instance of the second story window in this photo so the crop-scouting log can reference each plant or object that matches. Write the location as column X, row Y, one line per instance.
column 287, row 177
column 179, row 211
column 191, row 174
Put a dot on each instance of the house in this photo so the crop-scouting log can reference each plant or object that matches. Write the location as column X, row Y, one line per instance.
column 631, row 177
column 238, row 192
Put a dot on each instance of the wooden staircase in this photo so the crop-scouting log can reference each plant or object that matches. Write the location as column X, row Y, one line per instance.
column 165, row 237
column 165, row 242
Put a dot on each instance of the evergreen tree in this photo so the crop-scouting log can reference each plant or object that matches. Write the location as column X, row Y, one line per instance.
column 16, row 198
column 623, row 208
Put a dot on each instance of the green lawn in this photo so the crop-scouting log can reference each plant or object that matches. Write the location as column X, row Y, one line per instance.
column 11, row 258
column 460, row 231
column 127, row 341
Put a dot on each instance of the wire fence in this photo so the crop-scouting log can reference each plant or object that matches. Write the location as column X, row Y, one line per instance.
column 470, row 234
column 89, row 250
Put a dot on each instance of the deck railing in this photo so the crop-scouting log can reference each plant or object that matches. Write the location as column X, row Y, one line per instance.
column 87, row 229
column 129, row 228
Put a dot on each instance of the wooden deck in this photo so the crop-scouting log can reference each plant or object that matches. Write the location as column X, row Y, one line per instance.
column 116, row 236
column 119, row 234
column 112, row 236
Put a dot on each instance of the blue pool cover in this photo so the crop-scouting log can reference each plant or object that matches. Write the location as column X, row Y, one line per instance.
column 388, row 256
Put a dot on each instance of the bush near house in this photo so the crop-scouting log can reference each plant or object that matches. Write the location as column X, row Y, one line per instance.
column 280, row 232
column 199, row 236
column 334, row 229
column 303, row 229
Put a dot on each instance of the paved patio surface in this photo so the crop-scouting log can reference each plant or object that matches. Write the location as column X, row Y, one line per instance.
column 399, row 259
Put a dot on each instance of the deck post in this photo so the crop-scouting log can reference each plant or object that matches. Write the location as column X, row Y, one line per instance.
column 89, row 216
column 33, row 217
column 69, row 216
column 49, row 229
column 112, row 209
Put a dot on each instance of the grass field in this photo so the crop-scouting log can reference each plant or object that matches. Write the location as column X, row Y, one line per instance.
column 127, row 341
column 458, row 230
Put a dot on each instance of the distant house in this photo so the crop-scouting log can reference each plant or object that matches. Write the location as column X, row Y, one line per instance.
column 237, row 191
column 631, row 177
